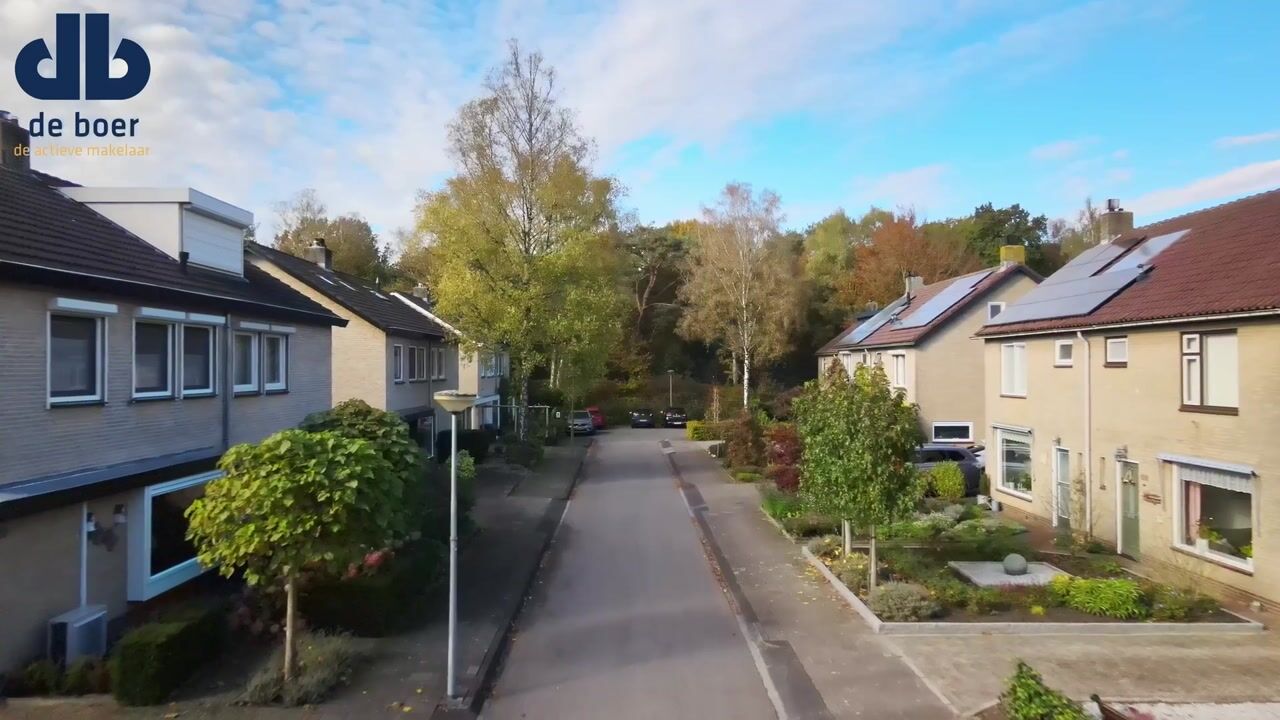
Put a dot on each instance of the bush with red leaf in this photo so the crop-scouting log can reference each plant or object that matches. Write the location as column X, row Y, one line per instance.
column 782, row 450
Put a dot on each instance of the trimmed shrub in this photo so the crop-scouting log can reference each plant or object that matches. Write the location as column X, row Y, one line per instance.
column 785, row 477
column 747, row 476
column 782, row 445
column 826, row 546
column 1028, row 698
column 378, row 603
column 42, row 677
column 987, row 600
column 86, row 675
column 1108, row 597
column 474, row 442
column 152, row 660
column 746, row 441
column 946, row 481
column 324, row 662
column 852, row 570
column 809, row 524
column 706, row 430
column 903, row 602
column 524, row 452
column 780, row 506
column 1170, row 604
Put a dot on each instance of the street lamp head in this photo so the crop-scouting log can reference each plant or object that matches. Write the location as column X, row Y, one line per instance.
column 455, row 402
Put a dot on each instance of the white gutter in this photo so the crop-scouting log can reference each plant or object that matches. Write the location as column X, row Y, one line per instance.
column 1135, row 323
column 1088, row 436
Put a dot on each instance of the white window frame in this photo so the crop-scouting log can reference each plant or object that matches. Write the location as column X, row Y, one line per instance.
column 420, row 359
column 997, row 306
column 1000, row 433
column 180, row 356
column 437, row 364
column 142, row 584
column 255, row 350
column 1247, row 484
column 171, row 364
column 283, row 385
column 1019, row 379
column 1116, row 347
column 933, row 431
column 100, row 366
column 1195, row 352
column 397, row 364
column 897, row 362
column 1058, row 360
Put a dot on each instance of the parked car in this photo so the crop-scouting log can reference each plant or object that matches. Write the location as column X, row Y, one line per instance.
column 967, row 458
column 597, row 417
column 582, row 423
column 674, row 417
column 642, row 418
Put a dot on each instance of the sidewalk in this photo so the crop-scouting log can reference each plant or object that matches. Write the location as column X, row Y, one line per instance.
column 806, row 628
column 516, row 513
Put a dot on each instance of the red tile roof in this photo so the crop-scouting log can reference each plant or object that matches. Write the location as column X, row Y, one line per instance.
column 1228, row 262
column 892, row 334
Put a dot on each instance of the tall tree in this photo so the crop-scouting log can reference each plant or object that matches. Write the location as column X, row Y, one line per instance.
column 355, row 246
column 899, row 246
column 1074, row 238
column 993, row 227
column 741, row 290
column 524, row 231
column 652, row 273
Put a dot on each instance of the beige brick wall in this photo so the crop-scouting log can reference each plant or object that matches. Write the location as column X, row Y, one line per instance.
column 408, row 394
column 254, row 417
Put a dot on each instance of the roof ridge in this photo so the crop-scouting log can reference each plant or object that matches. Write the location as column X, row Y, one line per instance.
column 1211, row 208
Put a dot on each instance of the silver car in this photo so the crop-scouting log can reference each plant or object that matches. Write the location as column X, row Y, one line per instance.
column 580, row 423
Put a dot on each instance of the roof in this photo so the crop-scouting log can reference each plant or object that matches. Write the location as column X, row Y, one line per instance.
column 1227, row 262
column 366, row 300
column 421, row 306
column 49, row 239
column 893, row 334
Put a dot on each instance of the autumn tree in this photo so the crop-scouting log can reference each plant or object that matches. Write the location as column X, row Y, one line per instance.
column 741, row 288
column 991, row 227
column 356, row 249
column 900, row 245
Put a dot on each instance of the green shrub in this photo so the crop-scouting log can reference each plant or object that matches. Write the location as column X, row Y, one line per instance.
column 747, row 476
column 474, row 442
column 852, row 570
column 379, row 603
column 950, row 592
column 152, row 660
column 987, row 600
column 1028, row 698
column 986, row 538
column 42, row 677
column 706, row 430
column 746, row 441
column 903, row 602
column 809, row 524
column 780, row 505
column 1109, row 597
column 466, row 467
column 825, row 546
column 86, row 675
column 1170, row 604
column 946, row 481
column 324, row 662
column 524, row 452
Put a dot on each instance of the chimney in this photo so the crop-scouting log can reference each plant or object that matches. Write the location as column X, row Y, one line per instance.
column 1113, row 223
column 914, row 283
column 1013, row 255
column 320, row 254
column 420, row 291
column 15, row 143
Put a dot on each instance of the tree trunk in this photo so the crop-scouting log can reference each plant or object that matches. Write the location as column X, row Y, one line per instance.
column 746, row 379
column 733, row 366
column 522, row 406
column 847, row 532
column 872, row 559
column 290, row 612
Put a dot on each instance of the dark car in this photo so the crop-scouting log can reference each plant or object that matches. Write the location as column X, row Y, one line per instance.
column 968, row 458
column 674, row 417
column 643, row 418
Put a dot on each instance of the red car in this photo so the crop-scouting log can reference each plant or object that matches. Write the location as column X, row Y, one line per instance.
column 597, row 417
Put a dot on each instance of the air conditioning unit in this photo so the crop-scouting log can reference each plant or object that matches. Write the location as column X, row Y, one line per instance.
column 77, row 633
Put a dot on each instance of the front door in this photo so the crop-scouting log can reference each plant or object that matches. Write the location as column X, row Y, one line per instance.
column 1062, row 487
column 1128, row 508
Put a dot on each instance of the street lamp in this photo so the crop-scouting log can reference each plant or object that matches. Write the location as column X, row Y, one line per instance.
column 454, row 403
column 670, row 374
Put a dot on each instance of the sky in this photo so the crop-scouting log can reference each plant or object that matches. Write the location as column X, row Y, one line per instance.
column 939, row 105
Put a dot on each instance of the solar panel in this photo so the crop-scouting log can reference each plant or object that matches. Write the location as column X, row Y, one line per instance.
column 940, row 303
column 869, row 326
column 1067, row 298
column 1147, row 251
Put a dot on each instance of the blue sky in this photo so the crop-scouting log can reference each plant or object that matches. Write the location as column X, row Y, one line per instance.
column 935, row 104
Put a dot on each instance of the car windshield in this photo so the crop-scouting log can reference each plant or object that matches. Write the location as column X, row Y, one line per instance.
column 676, row 411
column 581, row 415
column 644, row 411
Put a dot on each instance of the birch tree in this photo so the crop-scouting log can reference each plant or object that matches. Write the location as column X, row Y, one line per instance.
column 742, row 285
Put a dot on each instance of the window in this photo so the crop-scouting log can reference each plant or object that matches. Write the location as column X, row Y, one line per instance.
column 275, row 363
column 1214, row 514
column 413, row 363
column 438, row 364
column 1117, row 352
column 160, row 556
column 1062, row 353
column 397, row 363
column 489, row 365
column 953, row 432
column 76, row 358
column 245, row 353
column 198, row 361
column 994, row 309
column 1013, row 370
column 422, row 370
column 1210, row 372
column 1014, row 471
column 898, row 370
column 152, row 360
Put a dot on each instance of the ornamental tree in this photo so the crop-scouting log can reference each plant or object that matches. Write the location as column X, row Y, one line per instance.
column 859, row 437
column 296, row 502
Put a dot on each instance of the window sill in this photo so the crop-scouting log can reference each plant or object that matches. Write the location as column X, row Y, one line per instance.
column 150, row 398
column 75, row 403
column 1116, row 364
column 279, row 391
column 198, row 395
column 1222, row 562
column 1063, row 365
column 1016, row 493
column 246, row 393
column 397, row 382
column 1209, row 409
column 1015, row 397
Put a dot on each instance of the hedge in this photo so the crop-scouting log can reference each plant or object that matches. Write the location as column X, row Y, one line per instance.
column 705, row 430
column 475, row 442
column 152, row 660
column 379, row 604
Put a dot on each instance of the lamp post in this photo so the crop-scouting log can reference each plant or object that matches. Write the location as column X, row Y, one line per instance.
column 454, row 403
column 670, row 401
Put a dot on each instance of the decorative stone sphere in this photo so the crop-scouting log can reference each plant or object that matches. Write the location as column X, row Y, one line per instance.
column 1015, row 564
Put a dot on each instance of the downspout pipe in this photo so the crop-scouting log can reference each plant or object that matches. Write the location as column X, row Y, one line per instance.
column 1088, row 434
column 227, row 387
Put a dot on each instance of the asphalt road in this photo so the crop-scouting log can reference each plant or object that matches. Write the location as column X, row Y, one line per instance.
column 627, row 619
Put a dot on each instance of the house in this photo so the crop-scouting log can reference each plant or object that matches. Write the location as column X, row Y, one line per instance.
column 1132, row 394
column 388, row 354
column 479, row 372
column 137, row 346
column 924, row 341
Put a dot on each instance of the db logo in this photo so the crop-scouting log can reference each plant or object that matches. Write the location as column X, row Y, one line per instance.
column 98, row 83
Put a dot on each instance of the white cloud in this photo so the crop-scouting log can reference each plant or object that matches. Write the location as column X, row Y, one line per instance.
column 1229, row 185
column 1060, row 150
column 921, row 188
column 1239, row 140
